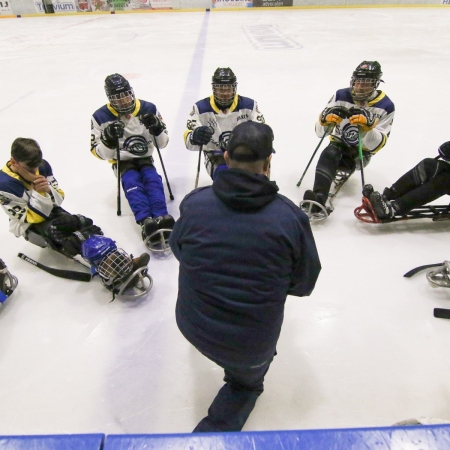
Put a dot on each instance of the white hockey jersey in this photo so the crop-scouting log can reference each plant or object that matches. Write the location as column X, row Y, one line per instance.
column 206, row 113
column 23, row 204
column 373, row 140
column 137, row 141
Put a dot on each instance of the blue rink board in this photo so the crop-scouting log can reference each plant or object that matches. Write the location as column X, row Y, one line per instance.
column 430, row 437
column 53, row 442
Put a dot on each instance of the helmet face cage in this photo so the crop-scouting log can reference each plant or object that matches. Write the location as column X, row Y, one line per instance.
column 115, row 267
column 365, row 79
column 224, row 93
column 123, row 102
column 362, row 88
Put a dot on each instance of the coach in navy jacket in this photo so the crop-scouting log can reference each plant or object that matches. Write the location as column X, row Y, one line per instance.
column 242, row 249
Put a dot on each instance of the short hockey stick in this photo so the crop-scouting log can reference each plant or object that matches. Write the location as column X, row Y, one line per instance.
column 418, row 269
column 164, row 169
column 198, row 165
column 312, row 157
column 67, row 274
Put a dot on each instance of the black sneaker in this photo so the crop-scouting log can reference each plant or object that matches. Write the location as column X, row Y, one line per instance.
column 382, row 207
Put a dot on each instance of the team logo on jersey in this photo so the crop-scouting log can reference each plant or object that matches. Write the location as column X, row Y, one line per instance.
column 223, row 140
column 243, row 117
column 4, row 200
column 350, row 135
column 212, row 123
column 136, row 145
column 191, row 124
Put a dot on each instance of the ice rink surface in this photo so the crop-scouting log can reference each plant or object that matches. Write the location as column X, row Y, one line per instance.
column 363, row 350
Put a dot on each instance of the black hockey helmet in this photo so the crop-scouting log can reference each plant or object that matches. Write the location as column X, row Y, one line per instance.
column 368, row 76
column 224, row 84
column 120, row 94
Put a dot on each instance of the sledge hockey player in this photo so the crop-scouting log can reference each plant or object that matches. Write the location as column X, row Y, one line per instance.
column 8, row 282
column 31, row 197
column 136, row 127
column 212, row 119
column 424, row 183
column 359, row 110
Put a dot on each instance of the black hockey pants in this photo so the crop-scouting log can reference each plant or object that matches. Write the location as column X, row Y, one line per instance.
column 426, row 182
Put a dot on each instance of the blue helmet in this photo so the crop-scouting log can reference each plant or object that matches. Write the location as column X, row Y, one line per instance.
column 96, row 248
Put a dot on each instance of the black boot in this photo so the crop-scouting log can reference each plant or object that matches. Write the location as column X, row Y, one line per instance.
column 166, row 221
column 315, row 197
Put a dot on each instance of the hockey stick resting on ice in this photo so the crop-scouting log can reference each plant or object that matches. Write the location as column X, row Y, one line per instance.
column 418, row 269
column 61, row 273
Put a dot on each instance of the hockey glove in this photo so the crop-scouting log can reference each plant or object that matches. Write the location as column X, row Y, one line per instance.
column 202, row 135
column 63, row 226
column 111, row 133
column 444, row 151
column 362, row 118
column 333, row 115
column 153, row 124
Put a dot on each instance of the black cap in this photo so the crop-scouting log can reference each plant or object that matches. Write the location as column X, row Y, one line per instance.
column 255, row 136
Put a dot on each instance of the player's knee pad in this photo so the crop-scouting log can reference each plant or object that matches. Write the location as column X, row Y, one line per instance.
column 8, row 282
column 427, row 169
column 331, row 153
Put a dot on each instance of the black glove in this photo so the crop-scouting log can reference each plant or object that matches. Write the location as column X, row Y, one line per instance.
column 333, row 115
column 362, row 118
column 444, row 151
column 152, row 123
column 111, row 133
column 202, row 135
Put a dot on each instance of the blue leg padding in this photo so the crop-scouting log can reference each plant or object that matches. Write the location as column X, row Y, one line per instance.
column 3, row 296
column 145, row 192
column 154, row 190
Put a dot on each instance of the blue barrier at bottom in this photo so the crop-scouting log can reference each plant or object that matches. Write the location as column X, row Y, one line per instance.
column 430, row 437
column 53, row 442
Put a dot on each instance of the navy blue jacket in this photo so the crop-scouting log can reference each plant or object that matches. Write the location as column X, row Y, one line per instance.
column 242, row 249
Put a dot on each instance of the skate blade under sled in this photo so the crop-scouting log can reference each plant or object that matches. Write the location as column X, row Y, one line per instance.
column 366, row 213
column 307, row 206
column 440, row 277
column 158, row 242
column 136, row 285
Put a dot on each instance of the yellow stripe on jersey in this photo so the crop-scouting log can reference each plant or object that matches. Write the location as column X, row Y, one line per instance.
column 377, row 99
column 217, row 109
column 137, row 107
column 382, row 144
column 33, row 217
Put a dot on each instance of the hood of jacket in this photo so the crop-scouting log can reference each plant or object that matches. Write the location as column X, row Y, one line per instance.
column 242, row 190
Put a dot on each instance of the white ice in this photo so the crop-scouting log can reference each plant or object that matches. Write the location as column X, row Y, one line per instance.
column 363, row 350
